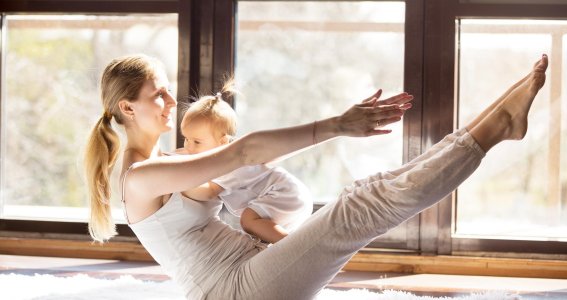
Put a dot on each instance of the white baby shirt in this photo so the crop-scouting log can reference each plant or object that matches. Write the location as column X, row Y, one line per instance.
column 273, row 193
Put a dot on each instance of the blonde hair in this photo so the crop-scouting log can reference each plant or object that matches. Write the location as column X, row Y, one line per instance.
column 215, row 110
column 122, row 79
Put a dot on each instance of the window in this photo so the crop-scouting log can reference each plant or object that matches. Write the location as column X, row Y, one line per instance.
column 301, row 61
column 520, row 192
column 51, row 71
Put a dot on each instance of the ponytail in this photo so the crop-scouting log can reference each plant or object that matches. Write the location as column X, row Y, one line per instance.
column 218, row 97
column 228, row 88
column 101, row 154
column 122, row 79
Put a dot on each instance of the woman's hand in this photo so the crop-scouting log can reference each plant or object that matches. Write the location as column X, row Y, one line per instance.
column 368, row 117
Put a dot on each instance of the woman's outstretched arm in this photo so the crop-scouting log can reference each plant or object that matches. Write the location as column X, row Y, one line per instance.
column 163, row 175
column 360, row 120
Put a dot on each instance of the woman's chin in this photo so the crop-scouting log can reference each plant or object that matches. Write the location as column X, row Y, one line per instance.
column 169, row 125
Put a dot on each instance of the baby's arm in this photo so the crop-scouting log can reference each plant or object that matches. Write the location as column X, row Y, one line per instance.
column 206, row 191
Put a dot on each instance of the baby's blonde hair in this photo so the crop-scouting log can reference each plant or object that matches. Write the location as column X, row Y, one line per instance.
column 215, row 110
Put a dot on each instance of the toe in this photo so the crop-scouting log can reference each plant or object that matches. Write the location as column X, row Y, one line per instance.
column 541, row 65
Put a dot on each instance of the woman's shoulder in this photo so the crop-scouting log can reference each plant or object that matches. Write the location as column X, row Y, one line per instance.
column 133, row 187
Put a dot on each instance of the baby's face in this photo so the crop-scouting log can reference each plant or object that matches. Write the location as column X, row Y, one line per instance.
column 199, row 136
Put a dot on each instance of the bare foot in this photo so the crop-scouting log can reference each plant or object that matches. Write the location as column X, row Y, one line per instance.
column 492, row 106
column 516, row 105
column 509, row 118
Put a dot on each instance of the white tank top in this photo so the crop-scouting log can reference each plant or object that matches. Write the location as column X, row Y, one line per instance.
column 192, row 245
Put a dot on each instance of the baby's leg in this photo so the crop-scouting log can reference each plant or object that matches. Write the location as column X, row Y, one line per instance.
column 265, row 229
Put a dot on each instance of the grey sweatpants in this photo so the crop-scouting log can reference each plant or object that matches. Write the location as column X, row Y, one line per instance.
column 301, row 264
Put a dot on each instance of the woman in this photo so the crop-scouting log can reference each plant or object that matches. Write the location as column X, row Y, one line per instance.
column 209, row 259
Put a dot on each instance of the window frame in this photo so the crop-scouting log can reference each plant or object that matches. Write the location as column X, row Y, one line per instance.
column 430, row 74
column 439, row 119
column 207, row 52
column 79, row 230
column 413, row 45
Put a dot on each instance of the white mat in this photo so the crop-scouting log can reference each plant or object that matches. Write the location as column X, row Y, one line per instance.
column 83, row 287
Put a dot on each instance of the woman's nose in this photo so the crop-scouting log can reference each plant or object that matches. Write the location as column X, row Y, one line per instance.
column 173, row 101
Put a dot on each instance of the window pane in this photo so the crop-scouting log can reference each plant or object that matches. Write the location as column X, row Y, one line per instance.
column 520, row 189
column 300, row 61
column 51, row 100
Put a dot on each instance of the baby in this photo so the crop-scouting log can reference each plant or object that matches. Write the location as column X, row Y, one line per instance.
column 269, row 201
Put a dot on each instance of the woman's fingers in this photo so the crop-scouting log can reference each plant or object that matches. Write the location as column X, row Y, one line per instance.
column 386, row 111
column 378, row 132
column 387, row 114
column 406, row 106
column 367, row 117
column 374, row 97
column 377, row 129
column 387, row 121
column 397, row 99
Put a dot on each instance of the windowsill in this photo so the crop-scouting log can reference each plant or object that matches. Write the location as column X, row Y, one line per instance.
column 120, row 250
column 54, row 213
column 457, row 265
column 365, row 260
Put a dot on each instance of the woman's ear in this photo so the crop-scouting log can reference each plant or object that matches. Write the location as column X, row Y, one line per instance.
column 126, row 109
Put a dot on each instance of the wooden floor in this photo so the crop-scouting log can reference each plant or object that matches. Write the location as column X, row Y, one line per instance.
column 419, row 284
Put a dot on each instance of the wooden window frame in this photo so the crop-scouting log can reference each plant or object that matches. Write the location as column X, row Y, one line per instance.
column 10, row 228
column 438, row 119
column 207, row 53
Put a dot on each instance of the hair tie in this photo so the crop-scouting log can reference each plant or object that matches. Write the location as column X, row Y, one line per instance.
column 107, row 116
